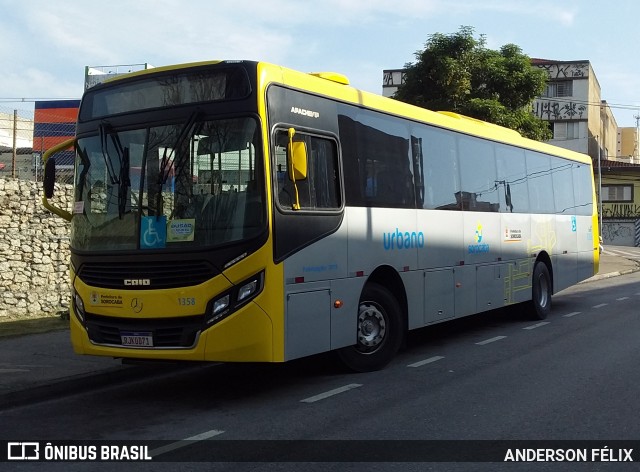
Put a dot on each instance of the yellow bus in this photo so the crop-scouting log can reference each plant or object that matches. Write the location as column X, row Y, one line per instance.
column 242, row 211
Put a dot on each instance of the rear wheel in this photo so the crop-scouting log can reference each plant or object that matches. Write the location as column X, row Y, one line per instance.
column 541, row 291
column 380, row 331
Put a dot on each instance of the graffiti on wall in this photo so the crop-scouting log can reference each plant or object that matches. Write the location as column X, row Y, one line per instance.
column 393, row 78
column 550, row 110
column 565, row 71
column 621, row 210
column 612, row 232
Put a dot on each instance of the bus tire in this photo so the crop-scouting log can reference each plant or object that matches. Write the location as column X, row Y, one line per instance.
column 540, row 292
column 380, row 331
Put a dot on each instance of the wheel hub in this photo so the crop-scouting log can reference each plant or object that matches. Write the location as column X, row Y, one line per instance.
column 371, row 327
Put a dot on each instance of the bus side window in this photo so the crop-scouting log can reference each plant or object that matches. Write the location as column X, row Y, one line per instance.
column 441, row 178
column 478, row 175
column 512, row 179
column 540, row 183
column 321, row 189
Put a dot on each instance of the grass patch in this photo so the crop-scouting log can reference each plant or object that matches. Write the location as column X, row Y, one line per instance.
column 20, row 327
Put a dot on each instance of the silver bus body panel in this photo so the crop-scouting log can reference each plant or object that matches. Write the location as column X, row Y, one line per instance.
column 451, row 263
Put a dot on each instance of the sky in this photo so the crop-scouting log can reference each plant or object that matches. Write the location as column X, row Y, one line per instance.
column 45, row 45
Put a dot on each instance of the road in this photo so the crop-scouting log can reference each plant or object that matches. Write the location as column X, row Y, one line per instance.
column 495, row 376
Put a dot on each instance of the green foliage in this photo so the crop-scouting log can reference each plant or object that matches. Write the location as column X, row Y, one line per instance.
column 458, row 73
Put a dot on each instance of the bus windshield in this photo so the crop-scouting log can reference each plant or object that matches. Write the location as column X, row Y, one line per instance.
column 186, row 185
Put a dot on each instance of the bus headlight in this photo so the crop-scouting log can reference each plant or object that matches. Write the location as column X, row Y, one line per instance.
column 220, row 304
column 247, row 290
column 78, row 306
column 230, row 301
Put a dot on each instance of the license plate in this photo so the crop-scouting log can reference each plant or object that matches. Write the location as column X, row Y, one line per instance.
column 137, row 339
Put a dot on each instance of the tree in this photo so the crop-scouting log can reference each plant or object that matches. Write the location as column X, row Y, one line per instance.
column 458, row 73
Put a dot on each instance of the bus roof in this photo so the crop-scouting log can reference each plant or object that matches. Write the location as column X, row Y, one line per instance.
column 336, row 86
column 444, row 119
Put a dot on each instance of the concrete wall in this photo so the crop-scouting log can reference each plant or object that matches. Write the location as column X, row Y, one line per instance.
column 34, row 251
column 620, row 232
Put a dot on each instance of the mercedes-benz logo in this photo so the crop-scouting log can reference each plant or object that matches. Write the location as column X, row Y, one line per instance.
column 136, row 305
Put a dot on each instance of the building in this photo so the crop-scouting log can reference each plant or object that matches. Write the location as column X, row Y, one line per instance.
column 578, row 117
column 54, row 121
column 16, row 134
column 11, row 123
column 391, row 80
column 628, row 150
column 620, row 202
column 94, row 75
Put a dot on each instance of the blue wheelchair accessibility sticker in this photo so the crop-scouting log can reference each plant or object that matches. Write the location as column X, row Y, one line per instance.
column 574, row 224
column 153, row 232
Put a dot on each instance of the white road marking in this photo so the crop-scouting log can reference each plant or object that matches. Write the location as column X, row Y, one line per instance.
column 569, row 315
column 184, row 442
column 426, row 361
column 623, row 298
column 330, row 393
column 491, row 340
column 537, row 325
column 601, row 305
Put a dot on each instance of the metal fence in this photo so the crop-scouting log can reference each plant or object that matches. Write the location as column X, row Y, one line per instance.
column 23, row 141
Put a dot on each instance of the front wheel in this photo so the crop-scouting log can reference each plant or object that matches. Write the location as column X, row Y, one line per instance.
column 380, row 331
column 541, row 291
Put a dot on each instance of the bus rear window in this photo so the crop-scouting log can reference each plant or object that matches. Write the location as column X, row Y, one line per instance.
column 165, row 90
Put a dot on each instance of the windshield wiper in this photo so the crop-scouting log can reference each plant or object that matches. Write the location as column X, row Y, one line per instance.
column 104, row 127
column 122, row 179
column 125, row 182
column 163, row 175
column 182, row 136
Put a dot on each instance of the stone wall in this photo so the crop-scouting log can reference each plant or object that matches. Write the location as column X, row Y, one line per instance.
column 34, row 251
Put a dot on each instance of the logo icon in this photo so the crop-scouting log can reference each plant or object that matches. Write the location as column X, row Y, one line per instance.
column 479, row 247
column 136, row 305
column 479, row 233
column 23, row 451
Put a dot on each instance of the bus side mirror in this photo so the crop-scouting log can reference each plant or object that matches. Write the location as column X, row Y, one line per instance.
column 49, row 177
column 298, row 156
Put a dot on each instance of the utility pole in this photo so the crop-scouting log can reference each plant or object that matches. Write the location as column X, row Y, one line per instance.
column 636, row 147
column 15, row 144
column 599, row 188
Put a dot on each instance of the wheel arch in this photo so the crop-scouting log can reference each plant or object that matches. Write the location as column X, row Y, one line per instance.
column 388, row 277
column 546, row 259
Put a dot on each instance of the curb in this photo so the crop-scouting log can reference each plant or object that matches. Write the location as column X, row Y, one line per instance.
column 609, row 275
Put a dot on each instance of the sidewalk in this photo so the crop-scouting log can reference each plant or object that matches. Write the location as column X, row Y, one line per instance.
column 37, row 367
column 613, row 266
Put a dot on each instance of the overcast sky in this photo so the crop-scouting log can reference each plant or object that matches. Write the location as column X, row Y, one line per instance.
column 46, row 44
